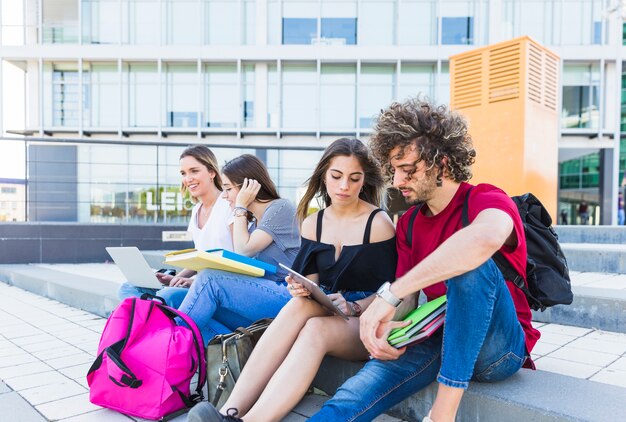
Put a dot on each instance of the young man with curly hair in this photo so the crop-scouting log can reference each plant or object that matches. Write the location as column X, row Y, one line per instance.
column 487, row 335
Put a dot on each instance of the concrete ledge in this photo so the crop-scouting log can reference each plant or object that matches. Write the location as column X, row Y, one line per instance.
column 591, row 234
column 90, row 294
column 606, row 258
column 536, row 396
column 604, row 309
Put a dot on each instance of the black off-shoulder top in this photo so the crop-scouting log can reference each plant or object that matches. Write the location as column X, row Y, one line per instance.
column 359, row 267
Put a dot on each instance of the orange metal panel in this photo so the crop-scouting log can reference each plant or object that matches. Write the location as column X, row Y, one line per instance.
column 508, row 93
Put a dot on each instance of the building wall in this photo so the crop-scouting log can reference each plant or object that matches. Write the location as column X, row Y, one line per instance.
column 282, row 74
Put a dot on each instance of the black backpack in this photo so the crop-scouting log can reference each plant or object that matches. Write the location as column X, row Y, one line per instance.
column 546, row 267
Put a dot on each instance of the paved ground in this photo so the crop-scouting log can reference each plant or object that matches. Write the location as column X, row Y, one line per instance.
column 46, row 348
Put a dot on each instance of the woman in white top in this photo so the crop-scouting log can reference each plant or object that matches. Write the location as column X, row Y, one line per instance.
column 210, row 224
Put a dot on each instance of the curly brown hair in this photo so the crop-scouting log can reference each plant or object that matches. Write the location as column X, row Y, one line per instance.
column 435, row 131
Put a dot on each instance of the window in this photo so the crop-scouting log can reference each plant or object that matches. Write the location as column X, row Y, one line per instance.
column 377, row 22
column 183, row 22
column 142, row 22
column 60, row 21
column 299, row 104
column 141, row 99
column 338, row 22
column 221, row 22
column 535, row 18
column 376, row 90
column 416, row 79
column 457, row 30
column 339, row 31
column 101, row 21
column 61, row 95
column 417, row 22
column 299, row 24
column 221, row 95
column 299, row 30
column 273, row 98
column 337, row 96
column 623, row 120
column 458, row 22
column 580, row 96
column 103, row 84
column 579, row 19
column 248, row 79
column 182, row 95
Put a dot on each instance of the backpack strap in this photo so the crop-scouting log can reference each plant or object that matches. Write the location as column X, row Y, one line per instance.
column 409, row 230
column 368, row 226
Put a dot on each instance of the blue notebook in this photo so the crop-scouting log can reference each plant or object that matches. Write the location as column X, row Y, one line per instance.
column 269, row 268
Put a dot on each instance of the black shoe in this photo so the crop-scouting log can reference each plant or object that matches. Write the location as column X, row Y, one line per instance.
column 206, row 412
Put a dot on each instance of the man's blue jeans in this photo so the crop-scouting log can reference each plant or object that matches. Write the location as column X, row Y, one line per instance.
column 482, row 340
column 220, row 301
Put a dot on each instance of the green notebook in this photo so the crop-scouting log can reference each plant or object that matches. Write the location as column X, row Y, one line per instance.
column 416, row 316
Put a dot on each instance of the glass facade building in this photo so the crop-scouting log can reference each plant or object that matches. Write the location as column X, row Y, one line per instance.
column 121, row 86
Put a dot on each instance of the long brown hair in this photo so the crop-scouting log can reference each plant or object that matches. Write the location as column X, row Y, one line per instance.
column 206, row 157
column 373, row 183
column 249, row 166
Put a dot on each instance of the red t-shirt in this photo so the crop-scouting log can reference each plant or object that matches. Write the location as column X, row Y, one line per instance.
column 430, row 232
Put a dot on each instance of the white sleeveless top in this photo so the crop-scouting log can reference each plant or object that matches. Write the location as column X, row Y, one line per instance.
column 216, row 232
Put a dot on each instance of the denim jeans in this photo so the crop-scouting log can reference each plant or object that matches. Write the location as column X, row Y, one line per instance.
column 173, row 296
column 482, row 340
column 220, row 301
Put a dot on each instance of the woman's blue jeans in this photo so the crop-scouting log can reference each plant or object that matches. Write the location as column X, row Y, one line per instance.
column 173, row 296
column 482, row 340
column 220, row 301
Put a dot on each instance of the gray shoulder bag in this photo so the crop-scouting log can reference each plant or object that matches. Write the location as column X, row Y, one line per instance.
column 226, row 356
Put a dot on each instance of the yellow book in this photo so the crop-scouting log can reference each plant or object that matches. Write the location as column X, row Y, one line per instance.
column 196, row 260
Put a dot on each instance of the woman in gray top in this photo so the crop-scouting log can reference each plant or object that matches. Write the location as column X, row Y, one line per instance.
column 265, row 227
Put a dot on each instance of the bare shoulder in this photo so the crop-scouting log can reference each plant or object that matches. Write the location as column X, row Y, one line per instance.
column 382, row 228
column 309, row 226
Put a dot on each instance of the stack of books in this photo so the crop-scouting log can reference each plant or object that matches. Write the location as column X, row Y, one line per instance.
column 218, row 259
column 425, row 320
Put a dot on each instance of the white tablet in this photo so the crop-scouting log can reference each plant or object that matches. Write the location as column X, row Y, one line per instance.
column 316, row 293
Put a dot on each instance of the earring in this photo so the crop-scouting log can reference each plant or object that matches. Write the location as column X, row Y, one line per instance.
column 439, row 180
column 361, row 191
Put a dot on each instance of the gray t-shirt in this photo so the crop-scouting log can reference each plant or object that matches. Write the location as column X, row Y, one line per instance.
column 280, row 222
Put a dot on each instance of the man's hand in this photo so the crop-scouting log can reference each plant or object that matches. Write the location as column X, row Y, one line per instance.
column 375, row 325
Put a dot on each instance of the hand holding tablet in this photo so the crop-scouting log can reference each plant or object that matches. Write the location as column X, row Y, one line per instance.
column 316, row 293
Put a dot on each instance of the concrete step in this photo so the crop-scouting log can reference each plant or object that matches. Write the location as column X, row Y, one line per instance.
column 90, row 287
column 599, row 302
column 536, row 396
column 596, row 257
column 592, row 234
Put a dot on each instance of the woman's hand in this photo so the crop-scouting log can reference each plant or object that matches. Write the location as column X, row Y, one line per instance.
column 340, row 302
column 247, row 193
column 181, row 281
column 296, row 289
column 164, row 278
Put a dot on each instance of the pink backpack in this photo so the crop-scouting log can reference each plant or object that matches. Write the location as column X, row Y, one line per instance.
column 146, row 362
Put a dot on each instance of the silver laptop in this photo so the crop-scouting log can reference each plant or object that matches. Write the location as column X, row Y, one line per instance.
column 134, row 266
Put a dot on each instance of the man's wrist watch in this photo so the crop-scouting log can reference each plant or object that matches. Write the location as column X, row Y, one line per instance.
column 384, row 293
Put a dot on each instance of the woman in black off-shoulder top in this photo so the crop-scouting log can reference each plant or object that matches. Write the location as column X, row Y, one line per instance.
column 348, row 248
